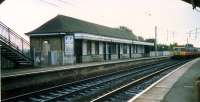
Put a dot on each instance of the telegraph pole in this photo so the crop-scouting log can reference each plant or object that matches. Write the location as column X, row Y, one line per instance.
column 156, row 41
column 196, row 34
column 173, row 37
column 168, row 42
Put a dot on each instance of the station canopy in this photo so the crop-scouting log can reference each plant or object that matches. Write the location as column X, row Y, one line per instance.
column 195, row 3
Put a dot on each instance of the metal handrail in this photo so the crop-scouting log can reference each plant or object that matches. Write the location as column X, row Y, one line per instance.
column 14, row 40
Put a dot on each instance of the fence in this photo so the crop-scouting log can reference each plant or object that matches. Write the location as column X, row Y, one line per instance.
column 160, row 53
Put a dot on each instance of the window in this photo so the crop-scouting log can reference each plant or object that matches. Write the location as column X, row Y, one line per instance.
column 45, row 47
column 113, row 49
column 89, row 47
column 45, row 42
column 97, row 48
column 124, row 49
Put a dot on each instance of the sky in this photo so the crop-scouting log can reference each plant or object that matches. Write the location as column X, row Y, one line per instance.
column 176, row 20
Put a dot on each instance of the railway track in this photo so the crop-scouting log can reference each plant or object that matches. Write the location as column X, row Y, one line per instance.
column 89, row 89
column 126, row 92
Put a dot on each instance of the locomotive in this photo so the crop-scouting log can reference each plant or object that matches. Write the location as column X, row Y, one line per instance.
column 185, row 52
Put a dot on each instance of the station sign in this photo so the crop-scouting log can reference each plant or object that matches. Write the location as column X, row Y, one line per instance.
column 69, row 45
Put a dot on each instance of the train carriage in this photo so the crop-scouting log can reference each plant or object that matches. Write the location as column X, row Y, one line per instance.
column 185, row 52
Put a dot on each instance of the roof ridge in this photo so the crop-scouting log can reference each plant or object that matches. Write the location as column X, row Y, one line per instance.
column 65, row 24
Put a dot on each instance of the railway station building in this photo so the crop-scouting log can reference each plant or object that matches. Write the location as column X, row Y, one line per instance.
column 66, row 40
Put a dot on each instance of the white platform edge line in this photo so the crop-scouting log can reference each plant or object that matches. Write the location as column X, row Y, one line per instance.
column 155, row 83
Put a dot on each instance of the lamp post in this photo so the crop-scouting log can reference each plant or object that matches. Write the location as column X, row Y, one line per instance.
column 156, row 41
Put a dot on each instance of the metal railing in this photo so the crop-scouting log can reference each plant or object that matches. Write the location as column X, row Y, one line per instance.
column 14, row 40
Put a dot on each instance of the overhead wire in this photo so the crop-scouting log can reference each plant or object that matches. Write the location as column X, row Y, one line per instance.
column 57, row 4
column 50, row 3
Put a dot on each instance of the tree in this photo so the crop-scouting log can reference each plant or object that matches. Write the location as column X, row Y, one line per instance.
column 125, row 28
column 150, row 40
column 171, row 46
column 163, row 47
column 140, row 38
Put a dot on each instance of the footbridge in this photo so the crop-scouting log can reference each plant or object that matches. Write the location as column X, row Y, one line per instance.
column 15, row 50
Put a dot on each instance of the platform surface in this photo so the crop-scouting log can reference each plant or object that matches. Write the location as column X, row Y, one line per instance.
column 178, row 86
column 184, row 90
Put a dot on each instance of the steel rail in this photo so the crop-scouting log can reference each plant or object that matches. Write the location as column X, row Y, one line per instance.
column 118, row 90
column 62, row 85
column 102, row 83
column 52, row 88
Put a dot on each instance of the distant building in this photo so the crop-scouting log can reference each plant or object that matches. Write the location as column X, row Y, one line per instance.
column 66, row 40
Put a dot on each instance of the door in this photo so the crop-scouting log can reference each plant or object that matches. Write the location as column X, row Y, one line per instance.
column 78, row 50
column 109, row 51
column 118, row 51
column 46, row 53
column 130, row 51
column 104, row 50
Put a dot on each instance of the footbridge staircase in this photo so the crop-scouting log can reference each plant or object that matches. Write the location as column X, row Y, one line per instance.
column 15, row 50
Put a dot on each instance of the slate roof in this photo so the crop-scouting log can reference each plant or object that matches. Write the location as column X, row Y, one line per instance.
column 65, row 24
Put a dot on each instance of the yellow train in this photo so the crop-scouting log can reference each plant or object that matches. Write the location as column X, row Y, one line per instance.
column 182, row 52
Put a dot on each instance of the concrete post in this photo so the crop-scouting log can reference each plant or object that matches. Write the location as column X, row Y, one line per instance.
column 9, row 35
column 93, row 47
column 84, row 48
column 22, row 45
column 34, row 62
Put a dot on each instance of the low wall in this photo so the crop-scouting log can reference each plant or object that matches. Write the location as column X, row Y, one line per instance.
column 114, row 57
column 124, row 56
column 44, row 79
column 92, row 58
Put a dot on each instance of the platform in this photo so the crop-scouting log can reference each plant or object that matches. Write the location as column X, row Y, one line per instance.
column 177, row 86
column 26, row 71
column 31, row 79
